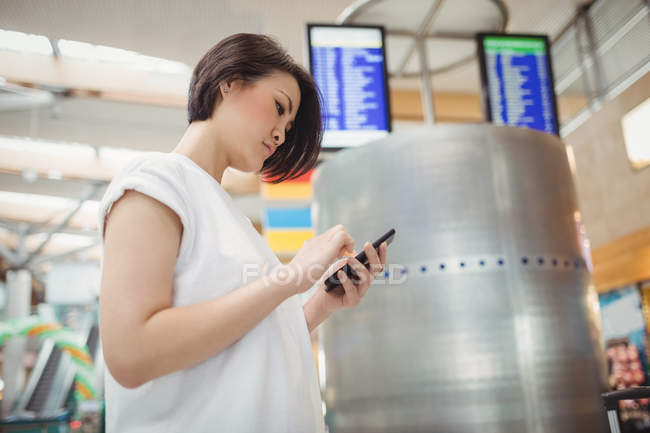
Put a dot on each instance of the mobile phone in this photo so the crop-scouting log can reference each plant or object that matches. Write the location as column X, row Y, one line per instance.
column 332, row 282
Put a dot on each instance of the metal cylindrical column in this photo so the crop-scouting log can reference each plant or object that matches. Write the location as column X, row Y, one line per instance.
column 483, row 322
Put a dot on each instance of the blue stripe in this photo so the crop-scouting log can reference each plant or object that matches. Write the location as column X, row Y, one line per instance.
column 287, row 217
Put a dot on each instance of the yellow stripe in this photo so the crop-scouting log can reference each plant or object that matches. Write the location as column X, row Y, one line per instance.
column 285, row 241
column 293, row 190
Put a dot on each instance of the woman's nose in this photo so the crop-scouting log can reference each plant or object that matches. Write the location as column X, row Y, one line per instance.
column 278, row 138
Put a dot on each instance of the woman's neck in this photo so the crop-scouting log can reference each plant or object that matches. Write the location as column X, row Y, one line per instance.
column 199, row 143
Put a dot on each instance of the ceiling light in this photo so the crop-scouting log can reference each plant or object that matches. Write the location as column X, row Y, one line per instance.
column 54, row 175
column 101, row 53
column 25, row 43
column 54, row 203
column 636, row 133
column 29, row 175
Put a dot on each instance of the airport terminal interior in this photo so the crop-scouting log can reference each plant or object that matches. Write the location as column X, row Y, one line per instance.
column 506, row 143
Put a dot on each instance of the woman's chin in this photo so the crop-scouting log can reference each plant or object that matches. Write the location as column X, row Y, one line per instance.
column 252, row 167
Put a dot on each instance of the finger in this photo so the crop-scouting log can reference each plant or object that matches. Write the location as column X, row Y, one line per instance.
column 373, row 259
column 349, row 243
column 362, row 272
column 365, row 276
column 333, row 230
column 339, row 264
column 383, row 252
column 350, row 289
column 346, row 243
column 333, row 268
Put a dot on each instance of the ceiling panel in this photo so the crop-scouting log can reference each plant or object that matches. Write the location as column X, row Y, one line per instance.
column 99, row 123
column 170, row 29
column 464, row 17
column 183, row 31
column 393, row 14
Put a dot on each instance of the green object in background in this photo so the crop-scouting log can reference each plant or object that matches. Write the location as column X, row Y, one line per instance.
column 68, row 341
column 520, row 45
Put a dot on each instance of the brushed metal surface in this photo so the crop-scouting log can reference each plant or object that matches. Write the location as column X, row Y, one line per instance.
column 482, row 323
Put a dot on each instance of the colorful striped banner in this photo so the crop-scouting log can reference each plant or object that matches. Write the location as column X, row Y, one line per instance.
column 295, row 189
column 286, row 228
column 300, row 179
column 287, row 218
column 287, row 241
column 289, row 191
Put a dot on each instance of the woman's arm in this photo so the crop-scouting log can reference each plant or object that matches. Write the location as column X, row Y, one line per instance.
column 322, row 304
column 315, row 314
column 143, row 336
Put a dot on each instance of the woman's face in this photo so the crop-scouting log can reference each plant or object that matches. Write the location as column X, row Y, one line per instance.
column 254, row 118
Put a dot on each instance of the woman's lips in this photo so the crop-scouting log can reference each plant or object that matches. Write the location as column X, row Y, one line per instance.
column 269, row 149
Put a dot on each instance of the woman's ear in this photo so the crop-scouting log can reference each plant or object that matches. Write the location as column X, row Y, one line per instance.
column 225, row 89
column 230, row 86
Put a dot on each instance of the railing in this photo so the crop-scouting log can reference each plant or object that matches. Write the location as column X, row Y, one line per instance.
column 602, row 51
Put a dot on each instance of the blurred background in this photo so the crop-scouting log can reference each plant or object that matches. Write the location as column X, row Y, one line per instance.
column 87, row 85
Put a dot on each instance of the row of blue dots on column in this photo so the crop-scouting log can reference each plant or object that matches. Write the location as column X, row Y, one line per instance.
column 525, row 261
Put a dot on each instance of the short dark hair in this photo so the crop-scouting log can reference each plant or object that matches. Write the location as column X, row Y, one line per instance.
column 249, row 57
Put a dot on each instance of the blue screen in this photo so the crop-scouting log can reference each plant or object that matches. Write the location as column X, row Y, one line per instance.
column 520, row 92
column 348, row 67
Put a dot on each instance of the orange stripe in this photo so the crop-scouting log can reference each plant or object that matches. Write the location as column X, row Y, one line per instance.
column 78, row 354
column 42, row 328
column 81, row 389
column 287, row 191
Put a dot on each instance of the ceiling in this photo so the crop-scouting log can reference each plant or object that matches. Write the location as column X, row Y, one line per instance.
column 183, row 31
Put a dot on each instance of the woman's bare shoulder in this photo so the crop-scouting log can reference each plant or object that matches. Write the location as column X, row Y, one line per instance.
column 136, row 212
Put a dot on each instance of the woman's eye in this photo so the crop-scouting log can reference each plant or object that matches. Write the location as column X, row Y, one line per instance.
column 280, row 108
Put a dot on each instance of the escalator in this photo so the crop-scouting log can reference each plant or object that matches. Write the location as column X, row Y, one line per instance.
column 51, row 384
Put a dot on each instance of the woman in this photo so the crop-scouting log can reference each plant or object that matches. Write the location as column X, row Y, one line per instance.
column 193, row 340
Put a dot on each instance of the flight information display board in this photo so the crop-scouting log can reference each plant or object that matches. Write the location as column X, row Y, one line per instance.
column 517, row 78
column 349, row 66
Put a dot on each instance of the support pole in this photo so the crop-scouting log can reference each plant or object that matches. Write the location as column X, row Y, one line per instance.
column 19, row 291
column 425, row 78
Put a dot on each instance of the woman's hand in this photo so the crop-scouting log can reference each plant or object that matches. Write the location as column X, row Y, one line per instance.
column 322, row 304
column 316, row 255
column 354, row 289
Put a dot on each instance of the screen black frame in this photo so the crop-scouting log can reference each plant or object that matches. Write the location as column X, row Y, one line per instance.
column 485, row 94
column 383, row 49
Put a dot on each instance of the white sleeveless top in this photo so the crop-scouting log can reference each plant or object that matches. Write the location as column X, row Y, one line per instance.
column 266, row 381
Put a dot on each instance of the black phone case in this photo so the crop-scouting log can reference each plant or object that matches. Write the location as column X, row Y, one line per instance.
column 332, row 282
